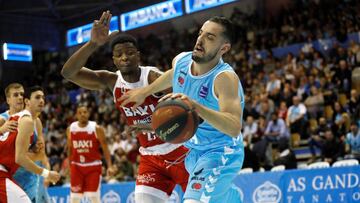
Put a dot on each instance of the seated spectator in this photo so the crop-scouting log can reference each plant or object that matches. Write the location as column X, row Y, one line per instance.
column 295, row 118
column 250, row 129
column 286, row 156
column 317, row 138
column 276, row 129
column 282, row 113
column 251, row 160
column 315, row 103
column 332, row 149
column 273, row 87
column 353, row 142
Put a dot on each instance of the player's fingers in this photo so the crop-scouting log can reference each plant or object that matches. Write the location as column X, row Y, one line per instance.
column 176, row 95
column 123, row 98
column 108, row 19
column 102, row 18
column 165, row 97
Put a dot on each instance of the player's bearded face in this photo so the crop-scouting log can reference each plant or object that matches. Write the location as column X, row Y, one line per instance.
column 126, row 57
column 208, row 43
column 204, row 56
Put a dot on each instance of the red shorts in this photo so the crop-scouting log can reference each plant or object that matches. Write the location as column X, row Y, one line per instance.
column 85, row 178
column 158, row 175
column 11, row 192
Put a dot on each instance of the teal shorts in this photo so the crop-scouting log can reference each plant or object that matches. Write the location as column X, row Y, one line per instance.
column 211, row 174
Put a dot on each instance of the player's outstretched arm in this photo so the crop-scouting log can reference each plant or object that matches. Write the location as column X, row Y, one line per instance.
column 137, row 96
column 74, row 69
column 25, row 130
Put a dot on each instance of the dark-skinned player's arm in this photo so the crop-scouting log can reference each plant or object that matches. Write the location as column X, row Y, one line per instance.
column 137, row 96
column 74, row 69
column 100, row 132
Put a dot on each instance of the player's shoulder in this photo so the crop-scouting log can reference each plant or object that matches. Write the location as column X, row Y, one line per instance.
column 181, row 56
column 5, row 115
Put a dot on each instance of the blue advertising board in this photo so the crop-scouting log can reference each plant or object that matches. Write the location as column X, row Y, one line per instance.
column 110, row 193
column 82, row 34
column 17, row 52
column 198, row 5
column 151, row 14
column 330, row 185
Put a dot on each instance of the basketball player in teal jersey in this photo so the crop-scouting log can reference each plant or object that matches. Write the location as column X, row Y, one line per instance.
column 214, row 89
column 31, row 183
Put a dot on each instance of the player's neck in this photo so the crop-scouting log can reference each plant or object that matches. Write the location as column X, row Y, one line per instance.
column 34, row 114
column 202, row 68
column 83, row 124
column 133, row 76
column 13, row 111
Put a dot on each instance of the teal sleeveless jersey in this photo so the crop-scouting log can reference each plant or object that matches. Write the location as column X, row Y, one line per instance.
column 201, row 89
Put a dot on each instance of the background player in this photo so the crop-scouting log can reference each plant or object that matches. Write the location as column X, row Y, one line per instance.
column 217, row 151
column 14, row 94
column 28, row 181
column 13, row 153
column 160, row 162
column 84, row 141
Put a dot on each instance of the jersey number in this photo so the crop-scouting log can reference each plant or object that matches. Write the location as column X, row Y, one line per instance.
column 151, row 136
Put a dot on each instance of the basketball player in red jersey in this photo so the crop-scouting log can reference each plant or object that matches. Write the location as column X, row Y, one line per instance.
column 161, row 164
column 13, row 150
column 84, row 140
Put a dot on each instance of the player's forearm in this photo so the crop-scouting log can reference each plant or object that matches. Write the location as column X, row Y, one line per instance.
column 25, row 161
column 78, row 60
column 162, row 83
column 107, row 158
column 223, row 121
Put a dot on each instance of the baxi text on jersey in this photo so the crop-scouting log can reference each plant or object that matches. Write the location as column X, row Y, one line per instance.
column 139, row 111
column 82, row 144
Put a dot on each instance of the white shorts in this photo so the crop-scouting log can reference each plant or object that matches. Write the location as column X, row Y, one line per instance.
column 10, row 192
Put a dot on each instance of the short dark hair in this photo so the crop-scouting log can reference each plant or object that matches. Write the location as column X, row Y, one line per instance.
column 124, row 38
column 32, row 89
column 229, row 29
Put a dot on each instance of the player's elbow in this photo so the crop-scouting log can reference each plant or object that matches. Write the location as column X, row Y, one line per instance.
column 65, row 73
column 19, row 159
column 236, row 130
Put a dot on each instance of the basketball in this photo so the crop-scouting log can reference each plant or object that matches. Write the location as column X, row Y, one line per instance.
column 175, row 121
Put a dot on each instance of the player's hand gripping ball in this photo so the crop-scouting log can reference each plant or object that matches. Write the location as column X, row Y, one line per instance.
column 175, row 120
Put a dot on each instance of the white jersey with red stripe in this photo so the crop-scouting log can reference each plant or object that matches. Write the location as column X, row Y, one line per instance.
column 149, row 142
column 85, row 149
column 7, row 145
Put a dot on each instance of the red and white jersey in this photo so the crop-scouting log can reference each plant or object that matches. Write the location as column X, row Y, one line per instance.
column 7, row 145
column 150, row 143
column 85, row 149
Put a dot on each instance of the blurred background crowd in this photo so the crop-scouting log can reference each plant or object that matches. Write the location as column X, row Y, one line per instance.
column 300, row 108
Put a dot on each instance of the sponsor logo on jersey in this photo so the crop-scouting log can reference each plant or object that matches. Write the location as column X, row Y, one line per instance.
column 146, row 178
column 139, row 111
column 196, row 186
column 82, row 144
column 203, row 91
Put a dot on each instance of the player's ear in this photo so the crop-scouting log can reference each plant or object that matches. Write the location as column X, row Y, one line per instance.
column 26, row 101
column 225, row 48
